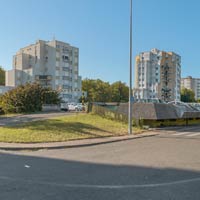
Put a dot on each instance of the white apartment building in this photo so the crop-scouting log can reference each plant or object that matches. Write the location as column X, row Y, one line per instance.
column 192, row 84
column 4, row 89
column 157, row 76
column 53, row 64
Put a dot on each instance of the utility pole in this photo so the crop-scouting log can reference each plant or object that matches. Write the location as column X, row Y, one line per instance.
column 130, row 77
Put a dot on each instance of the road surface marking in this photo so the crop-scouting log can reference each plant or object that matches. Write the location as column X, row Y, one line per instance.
column 179, row 134
column 193, row 134
column 151, row 185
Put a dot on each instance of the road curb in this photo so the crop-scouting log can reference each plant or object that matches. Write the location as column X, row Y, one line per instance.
column 65, row 146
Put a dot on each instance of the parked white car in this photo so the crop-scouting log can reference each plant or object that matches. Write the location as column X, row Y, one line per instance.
column 72, row 106
column 78, row 107
column 75, row 107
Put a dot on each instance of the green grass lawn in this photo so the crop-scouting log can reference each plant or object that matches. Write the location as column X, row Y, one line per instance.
column 63, row 129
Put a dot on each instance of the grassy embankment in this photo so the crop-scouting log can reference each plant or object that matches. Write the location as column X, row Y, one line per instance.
column 63, row 129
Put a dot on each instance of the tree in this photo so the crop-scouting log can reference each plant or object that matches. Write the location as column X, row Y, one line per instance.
column 97, row 90
column 2, row 76
column 187, row 95
column 119, row 92
column 50, row 96
column 28, row 98
column 100, row 91
column 88, row 86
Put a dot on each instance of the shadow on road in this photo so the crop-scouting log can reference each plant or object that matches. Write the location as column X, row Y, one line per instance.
column 190, row 128
column 27, row 177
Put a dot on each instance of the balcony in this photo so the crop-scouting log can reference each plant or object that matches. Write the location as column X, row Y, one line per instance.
column 43, row 77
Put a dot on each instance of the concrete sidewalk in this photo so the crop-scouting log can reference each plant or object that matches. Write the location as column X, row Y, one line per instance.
column 71, row 144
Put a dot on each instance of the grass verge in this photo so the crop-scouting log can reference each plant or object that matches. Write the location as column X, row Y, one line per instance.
column 63, row 129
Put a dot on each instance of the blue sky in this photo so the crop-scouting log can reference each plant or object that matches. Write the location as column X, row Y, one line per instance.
column 100, row 28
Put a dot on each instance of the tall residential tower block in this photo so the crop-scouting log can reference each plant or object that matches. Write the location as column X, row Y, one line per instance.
column 53, row 64
column 192, row 84
column 157, row 76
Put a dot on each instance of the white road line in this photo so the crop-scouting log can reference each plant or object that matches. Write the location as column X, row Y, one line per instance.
column 193, row 134
column 181, row 129
column 183, row 133
column 185, row 181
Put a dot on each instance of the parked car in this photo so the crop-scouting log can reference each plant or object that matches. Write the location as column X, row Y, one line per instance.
column 78, row 107
column 64, row 106
column 72, row 106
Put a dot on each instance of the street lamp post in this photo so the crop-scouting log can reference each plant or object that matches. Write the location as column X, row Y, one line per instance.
column 130, row 77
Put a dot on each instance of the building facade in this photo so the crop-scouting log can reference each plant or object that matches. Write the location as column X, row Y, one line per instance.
column 4, row 89
column 192, row 84
column 53, row 64
column 157, row 76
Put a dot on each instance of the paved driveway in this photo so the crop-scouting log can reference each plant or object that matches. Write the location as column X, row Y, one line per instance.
column 9, row 121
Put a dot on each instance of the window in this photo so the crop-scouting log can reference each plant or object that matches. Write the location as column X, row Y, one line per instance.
column 66, row 87
column 65, row 68
column 65, row 50
column 66, row 78
column 67, row 96
column 65, row 58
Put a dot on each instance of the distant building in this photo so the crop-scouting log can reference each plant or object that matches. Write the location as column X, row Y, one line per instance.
column 157, row 76
column 53, row 64
column 192, row 84
column 4, row 89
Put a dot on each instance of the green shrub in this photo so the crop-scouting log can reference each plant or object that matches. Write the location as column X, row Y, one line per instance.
column 28, row 98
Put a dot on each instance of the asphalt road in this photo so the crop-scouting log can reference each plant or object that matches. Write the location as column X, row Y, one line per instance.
column 162, row 167
column 9, row 121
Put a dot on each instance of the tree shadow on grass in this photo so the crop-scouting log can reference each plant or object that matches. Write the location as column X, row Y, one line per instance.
column 59, row 126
